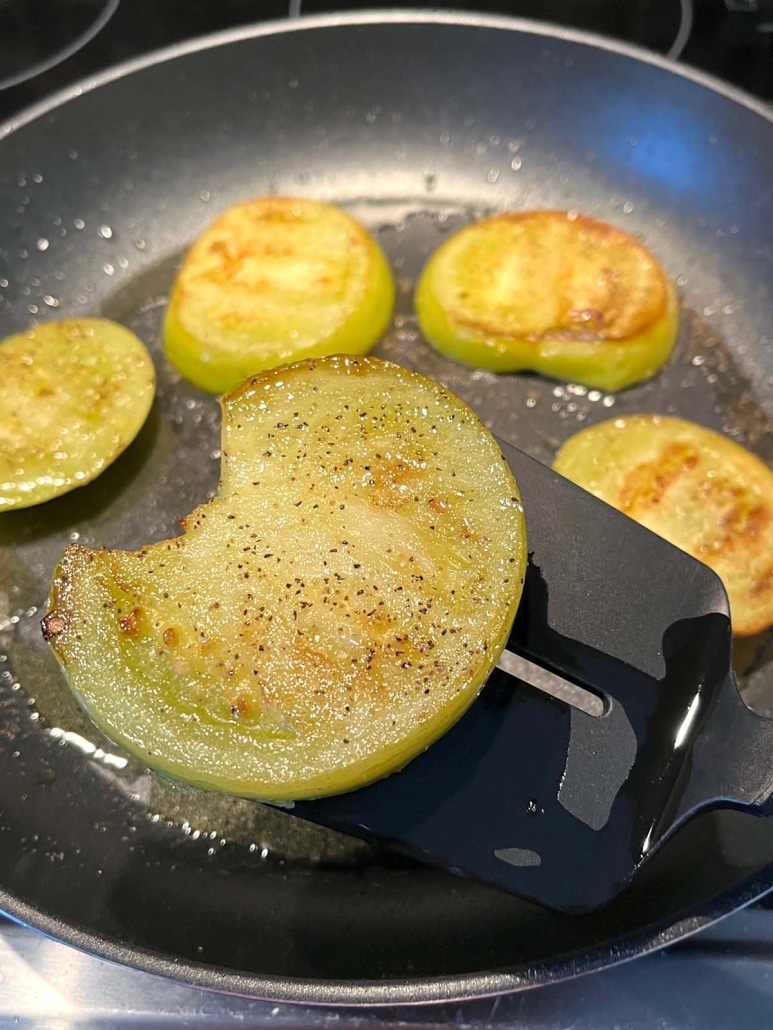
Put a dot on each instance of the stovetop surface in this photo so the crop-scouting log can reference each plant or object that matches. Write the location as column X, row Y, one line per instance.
column 719, row 979
column 732, row 39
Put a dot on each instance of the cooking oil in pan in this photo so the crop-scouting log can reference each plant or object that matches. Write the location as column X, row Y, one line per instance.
column 162, row 477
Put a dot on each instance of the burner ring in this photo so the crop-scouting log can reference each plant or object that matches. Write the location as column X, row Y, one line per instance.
column 83, row 36
column 685, row 30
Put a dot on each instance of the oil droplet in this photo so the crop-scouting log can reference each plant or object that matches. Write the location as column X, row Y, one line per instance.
column 42, row 244
column 492, row 175
column 52, row 302
column 79, row 223
column 108, row 269
column 105, row 232
column 204, row 195
column 516, row 164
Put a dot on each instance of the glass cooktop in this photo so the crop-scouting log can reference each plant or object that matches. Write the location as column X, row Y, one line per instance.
column 48, row 44
column 719, row 979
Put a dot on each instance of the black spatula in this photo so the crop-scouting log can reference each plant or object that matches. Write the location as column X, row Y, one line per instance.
column 559, row 804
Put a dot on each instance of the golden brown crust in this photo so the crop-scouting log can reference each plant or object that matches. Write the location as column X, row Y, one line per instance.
column 586, row 264
column 698, row 489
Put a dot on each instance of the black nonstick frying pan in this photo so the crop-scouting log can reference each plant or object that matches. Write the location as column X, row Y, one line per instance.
column 417, row 123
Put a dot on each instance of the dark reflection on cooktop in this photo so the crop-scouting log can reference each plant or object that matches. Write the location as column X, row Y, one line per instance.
column 46, row 45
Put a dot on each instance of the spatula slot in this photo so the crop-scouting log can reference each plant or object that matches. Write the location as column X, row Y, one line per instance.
column 552, row 684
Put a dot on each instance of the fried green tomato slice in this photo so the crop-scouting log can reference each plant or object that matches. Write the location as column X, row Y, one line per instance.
column 330, row 613
column 273, row 281
column 73, row 396
column 553, row 292
column 696, row 488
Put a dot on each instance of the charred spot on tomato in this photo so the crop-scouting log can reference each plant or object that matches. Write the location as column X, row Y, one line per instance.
column 53, row 625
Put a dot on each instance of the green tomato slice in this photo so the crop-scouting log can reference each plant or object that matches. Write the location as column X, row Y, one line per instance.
column 700, row 490
column 330, row 613
column 73, row 396
column 274, row 281
column 551, row 292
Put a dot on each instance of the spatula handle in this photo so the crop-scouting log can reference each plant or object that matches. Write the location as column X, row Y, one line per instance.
column 731, row 761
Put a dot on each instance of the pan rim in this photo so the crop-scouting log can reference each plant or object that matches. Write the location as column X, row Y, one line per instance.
column 391, row 16
column 422, row 990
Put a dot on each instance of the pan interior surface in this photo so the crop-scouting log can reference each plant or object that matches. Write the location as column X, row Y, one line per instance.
column 457, row 118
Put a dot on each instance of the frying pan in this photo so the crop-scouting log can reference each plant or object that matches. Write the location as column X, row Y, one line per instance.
column 101, row 190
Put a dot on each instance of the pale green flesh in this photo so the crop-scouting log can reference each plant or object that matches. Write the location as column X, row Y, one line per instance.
column 325, row 618
column 73, row 395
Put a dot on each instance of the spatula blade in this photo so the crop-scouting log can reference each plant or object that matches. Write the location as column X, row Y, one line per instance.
column 525, row 791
